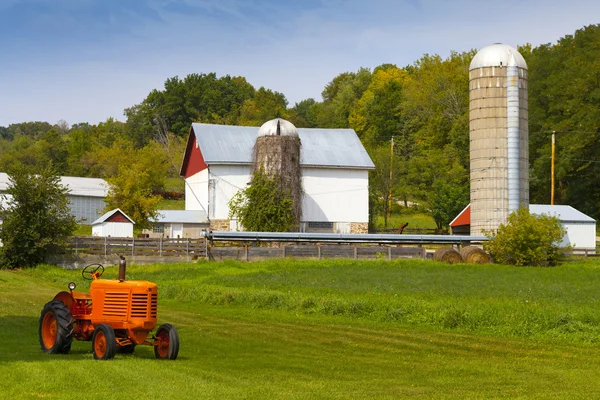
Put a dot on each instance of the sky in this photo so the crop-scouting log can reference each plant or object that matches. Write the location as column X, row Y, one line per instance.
column 88, row 60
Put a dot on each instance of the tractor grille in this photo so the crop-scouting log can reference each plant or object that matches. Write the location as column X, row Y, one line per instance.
column 115, row 304
column 142, row 307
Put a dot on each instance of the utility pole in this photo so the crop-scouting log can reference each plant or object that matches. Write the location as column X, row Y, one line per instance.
column 552, row 169
column 389, row 213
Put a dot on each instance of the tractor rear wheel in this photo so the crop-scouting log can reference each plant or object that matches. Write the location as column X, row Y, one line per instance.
column 168, row 342
column 104, row 343
column 56, row 328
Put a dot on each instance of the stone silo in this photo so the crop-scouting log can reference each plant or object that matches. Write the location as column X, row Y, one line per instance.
column 277, row 152
column 499, row 149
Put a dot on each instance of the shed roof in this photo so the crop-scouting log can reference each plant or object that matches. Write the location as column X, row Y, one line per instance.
column 181, row 216
column 564, row 213
column 110, row 214
column 333, row 148
column 90, row 187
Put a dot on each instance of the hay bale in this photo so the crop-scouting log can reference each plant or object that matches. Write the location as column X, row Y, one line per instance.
column 474, row 255
column 448, row 255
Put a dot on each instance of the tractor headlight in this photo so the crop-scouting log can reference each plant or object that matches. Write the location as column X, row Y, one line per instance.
column 72, row 285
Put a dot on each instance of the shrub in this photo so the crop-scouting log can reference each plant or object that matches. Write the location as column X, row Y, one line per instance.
column 527, row 239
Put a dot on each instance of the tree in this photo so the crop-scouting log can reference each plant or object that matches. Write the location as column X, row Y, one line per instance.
column 35, row 219
column 131, row 190
column 527, row 239
column 263, row 206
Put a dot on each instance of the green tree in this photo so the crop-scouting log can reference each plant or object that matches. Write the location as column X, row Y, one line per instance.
column 35, row 219
column 263, row 206
column 131, row 190
column 527, row 239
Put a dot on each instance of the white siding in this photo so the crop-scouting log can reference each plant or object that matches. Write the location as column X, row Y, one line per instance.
column 330, row 194
column 229, row 179
column 113, row 229
column 580, row 235
column 336, row 195
column 196, row 191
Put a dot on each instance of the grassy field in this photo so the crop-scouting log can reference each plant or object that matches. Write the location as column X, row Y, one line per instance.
column 415, row 221
column 331, row 329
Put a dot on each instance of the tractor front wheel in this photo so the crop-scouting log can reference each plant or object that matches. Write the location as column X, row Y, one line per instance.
column 56, row 328
column 104, row 343
column 167, row 347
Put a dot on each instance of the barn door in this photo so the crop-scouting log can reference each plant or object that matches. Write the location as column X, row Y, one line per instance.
column 177, row 230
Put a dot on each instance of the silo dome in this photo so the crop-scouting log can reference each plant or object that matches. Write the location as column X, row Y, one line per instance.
column 498, row 55
column 278, row 127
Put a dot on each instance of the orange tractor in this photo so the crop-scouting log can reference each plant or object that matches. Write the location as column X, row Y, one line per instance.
column 116, row 316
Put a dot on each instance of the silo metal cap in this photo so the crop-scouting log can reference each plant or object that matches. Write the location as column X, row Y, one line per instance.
column 278, row 127
column 498, row 55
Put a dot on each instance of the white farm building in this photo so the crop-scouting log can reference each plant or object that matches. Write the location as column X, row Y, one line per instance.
column 580, row 228
column 86, row 196
column 114, row 223
column 334, row 166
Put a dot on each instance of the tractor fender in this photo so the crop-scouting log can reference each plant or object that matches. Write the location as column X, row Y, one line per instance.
column 66, row 298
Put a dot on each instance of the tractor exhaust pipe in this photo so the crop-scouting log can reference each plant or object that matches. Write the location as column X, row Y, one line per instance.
column 122, row 267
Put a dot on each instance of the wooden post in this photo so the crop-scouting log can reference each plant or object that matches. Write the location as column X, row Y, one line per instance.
column 105, row 246
column 355, row 252
column 319, row 251
column 390, row 253
column 160, row 246
column 187, row 247
column 132, row 245
column 246, row 252
column 284, row 247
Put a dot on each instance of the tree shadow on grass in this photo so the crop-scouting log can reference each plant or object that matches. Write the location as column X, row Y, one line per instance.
column 20, row 342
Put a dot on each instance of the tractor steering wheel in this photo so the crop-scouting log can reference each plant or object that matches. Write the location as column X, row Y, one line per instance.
column 91, row 271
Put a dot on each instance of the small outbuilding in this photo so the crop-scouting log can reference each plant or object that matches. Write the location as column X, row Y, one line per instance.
column 114, row 223
column 178, row 224
column 581, row 228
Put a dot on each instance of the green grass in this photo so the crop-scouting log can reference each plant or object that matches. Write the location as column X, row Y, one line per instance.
column 83, row 230
column 415, row 221
column 171, row 205
column 327, row 329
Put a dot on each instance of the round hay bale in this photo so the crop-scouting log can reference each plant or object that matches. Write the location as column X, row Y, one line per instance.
column 474, row 255
column 448, row 255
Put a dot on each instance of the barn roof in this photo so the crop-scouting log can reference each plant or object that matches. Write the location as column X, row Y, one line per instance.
column 89, row 187
column 109, row 214
column 181, row 216
column 563, row 213
column 332, row 148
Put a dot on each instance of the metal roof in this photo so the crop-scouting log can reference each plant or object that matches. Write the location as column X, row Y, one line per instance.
column 90, row 187
column 226, row 144
column 564, row 213
column 498, row 55
column 181, row 216
column 110, row 214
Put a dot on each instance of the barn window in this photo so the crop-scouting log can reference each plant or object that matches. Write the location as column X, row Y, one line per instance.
column 158, row 228
column 320, row 225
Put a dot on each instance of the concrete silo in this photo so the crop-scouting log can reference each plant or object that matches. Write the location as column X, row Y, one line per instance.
column 277, row 153
column 498, row 118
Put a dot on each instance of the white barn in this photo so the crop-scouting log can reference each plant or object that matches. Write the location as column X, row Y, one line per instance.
column 334, row 165
column 86, row 196
column 114, row 223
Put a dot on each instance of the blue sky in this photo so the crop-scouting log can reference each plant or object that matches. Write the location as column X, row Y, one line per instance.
column 88, row 60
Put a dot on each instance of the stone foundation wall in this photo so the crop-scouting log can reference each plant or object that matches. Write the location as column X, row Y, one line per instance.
column 219, row 225
column 359, row 227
